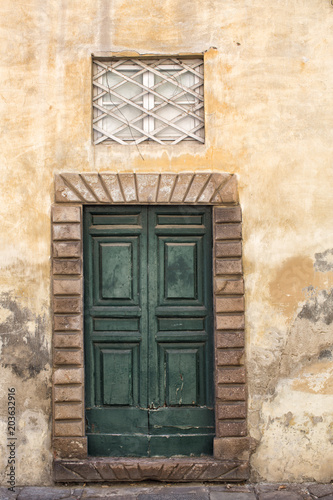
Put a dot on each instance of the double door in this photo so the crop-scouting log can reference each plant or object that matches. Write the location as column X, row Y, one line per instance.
column 148, row 331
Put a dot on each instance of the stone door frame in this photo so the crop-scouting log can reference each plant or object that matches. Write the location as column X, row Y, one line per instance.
column 231, row 444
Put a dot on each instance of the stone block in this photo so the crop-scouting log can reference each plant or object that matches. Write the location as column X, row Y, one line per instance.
column 230, row 357
column 68, row 357
column 68, row 376
column 62, row 474
column 147, row 187
column 38, row 493
column 224, row 286
column 68, row 428
column 228, row 448
column 63, row 249
column 127, row 182
column 70, row 447
column 111, row 182
column 107, row 474
column 235, row 428
column 229, row 304
column 63, row 193
column 68, row 231
column 179, row 472
column 64, row 340
column 228, row 231
column 62, row 213
column 67, row 305
column 230, row 495
column 230, row 411
column 165, row 187
column 68, row 411
column 321, row 490
column 227, row 214
column 67, row 323
column 66, row 266
column 67, row 286
column 241, row 472
column 133, row 471
column 74, row 180
column 69, row 393
column 228, row 266
column 196, row 187
column 181, row 187
column 229, row 191
column 228, row 249
column 230, row 322
column 282, row 495
column 210, row 193
column 230, row 339
column 231, row 393
column 233, row 375
column 96, row 186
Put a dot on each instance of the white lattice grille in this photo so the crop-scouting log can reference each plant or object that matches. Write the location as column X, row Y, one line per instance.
column 136, row 100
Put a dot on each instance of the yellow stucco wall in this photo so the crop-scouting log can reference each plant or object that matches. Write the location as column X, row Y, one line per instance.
column 268, row 104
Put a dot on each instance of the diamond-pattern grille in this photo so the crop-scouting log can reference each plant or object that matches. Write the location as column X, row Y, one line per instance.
column 136, row 100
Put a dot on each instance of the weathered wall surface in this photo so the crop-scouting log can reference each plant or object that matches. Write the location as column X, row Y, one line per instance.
column 268, row 98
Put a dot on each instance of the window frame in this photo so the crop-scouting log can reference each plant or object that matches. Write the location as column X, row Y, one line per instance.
column 151, row 101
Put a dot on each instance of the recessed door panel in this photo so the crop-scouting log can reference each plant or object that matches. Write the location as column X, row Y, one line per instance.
column 181, row 376
column 180, row 264
column 116, row 374
column 116, row 264
column 180, row 269
column 116, row 270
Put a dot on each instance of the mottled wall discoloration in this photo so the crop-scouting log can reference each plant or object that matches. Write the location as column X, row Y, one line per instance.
column 23, row 344
column 268, row 100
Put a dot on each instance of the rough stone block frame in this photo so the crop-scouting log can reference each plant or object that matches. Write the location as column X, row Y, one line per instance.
column 231, row 444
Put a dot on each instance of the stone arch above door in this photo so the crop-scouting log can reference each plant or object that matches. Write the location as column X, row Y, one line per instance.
column 231, row 444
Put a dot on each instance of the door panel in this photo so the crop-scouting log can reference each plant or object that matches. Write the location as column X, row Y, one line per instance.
column 116, row 271
column 180, row 331
column 148, row 331
column 180, row 271
column 117, row 374
column 116, row 265
column 115, row 330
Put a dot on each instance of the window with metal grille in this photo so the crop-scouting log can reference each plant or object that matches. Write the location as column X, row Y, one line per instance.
column 136, row 100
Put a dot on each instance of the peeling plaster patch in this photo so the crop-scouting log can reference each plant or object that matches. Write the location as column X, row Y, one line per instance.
column 26, row 359
column 33, row 400
column 319, row 308
column 289, row 419
column 295, row 436
column 5, row 314
column 316, row 378
column 324, row 261
column 33, row 425
column 325, row 354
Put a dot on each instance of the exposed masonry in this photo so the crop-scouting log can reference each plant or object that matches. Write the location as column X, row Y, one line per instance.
column 231, row 445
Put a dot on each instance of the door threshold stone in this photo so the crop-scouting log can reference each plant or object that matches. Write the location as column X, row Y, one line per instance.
column 114, row 469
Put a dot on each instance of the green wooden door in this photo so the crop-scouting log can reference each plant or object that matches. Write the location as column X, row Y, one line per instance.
column 148, row 331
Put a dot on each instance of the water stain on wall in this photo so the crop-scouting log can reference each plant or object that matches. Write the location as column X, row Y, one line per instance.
column 298, row 280
column 286, row 289
column 24, row 348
